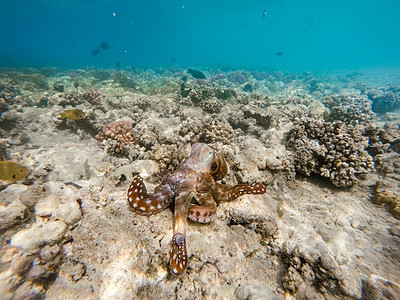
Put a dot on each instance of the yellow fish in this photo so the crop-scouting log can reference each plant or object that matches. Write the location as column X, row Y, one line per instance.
column 12, row 171
column 72, row 114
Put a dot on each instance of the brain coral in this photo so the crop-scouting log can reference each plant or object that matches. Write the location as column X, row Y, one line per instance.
column 333, row 150
column 116, row 136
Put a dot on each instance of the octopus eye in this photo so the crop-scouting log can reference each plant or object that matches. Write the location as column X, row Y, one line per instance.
column 214, row 167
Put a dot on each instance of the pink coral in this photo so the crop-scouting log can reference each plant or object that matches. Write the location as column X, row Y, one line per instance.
column 116, row 136
column 93, row 96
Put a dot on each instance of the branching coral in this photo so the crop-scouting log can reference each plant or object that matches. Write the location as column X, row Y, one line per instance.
column 332, row 150
column 116, row 136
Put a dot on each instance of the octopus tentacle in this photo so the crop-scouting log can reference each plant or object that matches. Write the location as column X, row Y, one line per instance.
column 205, row 212
column 141, row 202
column 225, row 192
column 178, row 262
column 202, row 214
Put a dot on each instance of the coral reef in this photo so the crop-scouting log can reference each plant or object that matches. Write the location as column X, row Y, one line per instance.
column 210, row 130
column 385, row 99
column 200, row 91
column 350, row 109
column 93, row 96
column 116, row 136
column 67, row 231
column 8, row 91
column 332, row 150
column 382, row 140
column 237, row 77
column 211, row 105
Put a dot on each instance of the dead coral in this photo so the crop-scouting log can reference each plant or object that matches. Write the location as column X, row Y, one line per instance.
column 168, row 156
column 332, row 150
column 385, row 99
column 211, row 105
column 198, row 91
column 8, row 92
column 382, row 140
column 387, row 193
column 92, row 96
column 210, row 129
column 388, row 165
column 350, row 109
column 116, row 136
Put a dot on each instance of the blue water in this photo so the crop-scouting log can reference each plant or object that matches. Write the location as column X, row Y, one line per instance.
column 312, row 35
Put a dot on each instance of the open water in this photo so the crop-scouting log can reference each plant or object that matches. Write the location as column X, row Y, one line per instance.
column 290, row 35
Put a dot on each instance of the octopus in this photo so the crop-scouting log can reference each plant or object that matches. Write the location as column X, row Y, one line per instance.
column 195, row 193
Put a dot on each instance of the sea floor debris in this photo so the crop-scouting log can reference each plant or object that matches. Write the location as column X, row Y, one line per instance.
column 67, row 232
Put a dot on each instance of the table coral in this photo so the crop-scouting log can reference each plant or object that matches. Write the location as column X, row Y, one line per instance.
column 116, row 136
column 332, row 150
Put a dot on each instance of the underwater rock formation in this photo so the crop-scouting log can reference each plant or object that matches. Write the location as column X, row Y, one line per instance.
column 387, row 193
column 332, row 150
column 32, row 259
column 377, row 287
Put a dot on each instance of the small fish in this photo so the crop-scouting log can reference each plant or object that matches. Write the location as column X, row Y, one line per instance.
column 196, row 74
column 12, row 171
column 72, row 114
column 95, row 51
column 117, row 64
column 104, row 45
column 264, row 13
column 279, row 53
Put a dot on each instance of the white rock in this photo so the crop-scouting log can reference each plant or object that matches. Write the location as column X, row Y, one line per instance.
column 145, row 168
column 46, row 206
column 30, row 239
column 68, row 212
column 255, row 151
column 12, row 193
column 12, row 213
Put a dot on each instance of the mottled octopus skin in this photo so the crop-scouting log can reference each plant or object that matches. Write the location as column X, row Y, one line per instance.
column 195, row 190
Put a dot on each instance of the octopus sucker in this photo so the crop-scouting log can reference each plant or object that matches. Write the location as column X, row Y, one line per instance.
column 195, row 178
